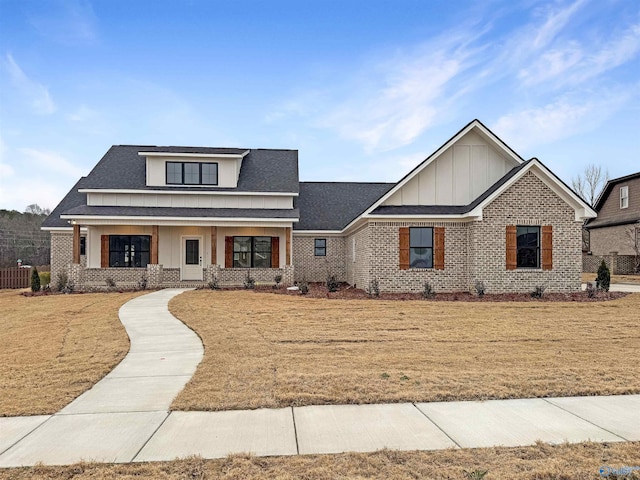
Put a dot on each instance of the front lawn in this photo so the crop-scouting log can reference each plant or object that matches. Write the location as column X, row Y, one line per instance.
column 541, row 461
column 265, row 350
column 54, row 347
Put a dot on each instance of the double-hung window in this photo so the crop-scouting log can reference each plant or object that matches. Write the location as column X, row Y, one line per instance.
column 320, row 247
column 528, row 247
column 191, row 173
column 252, row 252
column 421, row 247
column 624, row 197
column 129, row 250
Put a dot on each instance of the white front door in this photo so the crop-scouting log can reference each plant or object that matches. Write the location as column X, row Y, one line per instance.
column 191, row 258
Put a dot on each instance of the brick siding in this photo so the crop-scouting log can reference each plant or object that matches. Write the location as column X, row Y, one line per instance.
column 311, row 268
column 603, row 241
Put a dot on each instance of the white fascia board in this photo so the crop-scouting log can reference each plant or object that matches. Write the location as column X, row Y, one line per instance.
column 315, row 233
column 487, row 134
column 582, row 210
column 426, row 217
column 194, row 155
column 61, row 229
column 186, row 192
column 221, row 221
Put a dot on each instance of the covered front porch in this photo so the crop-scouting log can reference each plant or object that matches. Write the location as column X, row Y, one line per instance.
column 174, row 254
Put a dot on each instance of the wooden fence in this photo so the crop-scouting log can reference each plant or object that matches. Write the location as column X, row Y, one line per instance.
column 16, row 277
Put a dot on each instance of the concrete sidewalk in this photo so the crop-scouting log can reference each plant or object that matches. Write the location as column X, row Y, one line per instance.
column 124, row 417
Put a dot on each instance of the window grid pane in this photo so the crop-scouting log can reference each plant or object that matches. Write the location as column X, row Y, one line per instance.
column 129, row 250
column 252, row 252
column 209, row 173
column 320, row 247
column 174, row 173
column 191, row 173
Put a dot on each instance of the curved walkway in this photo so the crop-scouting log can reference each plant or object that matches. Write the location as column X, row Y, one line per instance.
column 124, row 417
column 114, row 419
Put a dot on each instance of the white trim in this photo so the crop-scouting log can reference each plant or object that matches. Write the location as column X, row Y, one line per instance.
column 194, row 155
column 82, row 218
column 187, row 192
column 484, row 132
column 201, row 246
column 62, row 229
column 306, row 233
column 453, row 217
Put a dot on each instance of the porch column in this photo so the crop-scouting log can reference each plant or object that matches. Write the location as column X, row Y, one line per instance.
column 287, row 233
column 214, row 245
column 154, row 244
column 76, row 243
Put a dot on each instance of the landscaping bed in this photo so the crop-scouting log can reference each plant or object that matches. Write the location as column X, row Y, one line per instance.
column 347, row 292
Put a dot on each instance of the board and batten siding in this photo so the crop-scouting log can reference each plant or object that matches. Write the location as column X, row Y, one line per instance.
column 457, row 177
column 189, row 200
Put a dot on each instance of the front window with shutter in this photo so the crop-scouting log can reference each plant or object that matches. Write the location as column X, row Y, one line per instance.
column 528, row 247
column 421, row 247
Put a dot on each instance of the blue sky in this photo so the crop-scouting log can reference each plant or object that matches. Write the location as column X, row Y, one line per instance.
column 363, row 89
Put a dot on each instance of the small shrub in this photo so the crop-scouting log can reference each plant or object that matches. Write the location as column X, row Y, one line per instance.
column 332, row 283
column 428, row 291
column 303, row 287
column 69, row 287
column 603, row 280
column 538, row 291
column 374, row 288
column 62, row 281
column 475, row 474
column 110, row 282
column 45, row 279
column 480, row 288
column 249, row 281
column 35, row 280
column 214, row 284
column 277, row 279
column 591, row 290
column 142, row 283
column 385, row 375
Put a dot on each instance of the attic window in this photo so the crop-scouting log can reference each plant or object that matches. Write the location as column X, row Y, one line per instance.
column 624, row 197
column 192, row 173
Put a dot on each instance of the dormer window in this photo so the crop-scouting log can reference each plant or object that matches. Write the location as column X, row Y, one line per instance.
column 624, row 197
column 192, row 173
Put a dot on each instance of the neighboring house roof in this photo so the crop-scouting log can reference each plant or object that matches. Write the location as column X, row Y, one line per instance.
column 262, row 170
column 609, row 186
column 95, row 211
column 71, row 200
column 333, row 205
column 608, row 216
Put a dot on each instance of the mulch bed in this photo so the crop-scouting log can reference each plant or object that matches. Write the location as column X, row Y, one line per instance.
column 346, row 292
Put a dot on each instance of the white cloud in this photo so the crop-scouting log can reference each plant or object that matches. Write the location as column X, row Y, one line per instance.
column 50, row 161
column 558, row 120
column 573, row 63
column 406, row 100
column 36, row 94
column 555, row 22
column 70, row 22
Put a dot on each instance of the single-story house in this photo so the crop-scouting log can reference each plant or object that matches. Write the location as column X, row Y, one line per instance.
column 474, row 210
column 615, row 234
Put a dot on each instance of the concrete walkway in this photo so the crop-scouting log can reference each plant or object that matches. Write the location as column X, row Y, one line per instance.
column 124, row 417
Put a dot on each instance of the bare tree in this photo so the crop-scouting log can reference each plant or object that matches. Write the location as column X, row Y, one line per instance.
column 633, row 239
column 36, row 209
column 590, row 182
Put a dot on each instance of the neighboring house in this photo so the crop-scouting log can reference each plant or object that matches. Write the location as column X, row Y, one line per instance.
column 473, row 210
column 615, row 234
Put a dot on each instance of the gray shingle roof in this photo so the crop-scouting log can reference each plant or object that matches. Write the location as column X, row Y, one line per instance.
column 333, row 205
column 184, row 212
column 71, row 200
column 262, row 170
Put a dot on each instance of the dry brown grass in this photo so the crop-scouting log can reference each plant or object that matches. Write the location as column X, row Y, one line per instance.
column 264, row 350
column 542, row 461
column 591, row 277
column 53, row 348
